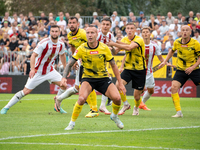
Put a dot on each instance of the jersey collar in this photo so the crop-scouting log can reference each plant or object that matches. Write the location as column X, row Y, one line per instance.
column 185, row 43
column 75, row 33
column 95, row 47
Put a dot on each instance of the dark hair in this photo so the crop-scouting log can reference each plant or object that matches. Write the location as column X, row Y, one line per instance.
column 91, row 25
column 71, row 18
column 55, row 26
column 106, row 19
column 146, row 27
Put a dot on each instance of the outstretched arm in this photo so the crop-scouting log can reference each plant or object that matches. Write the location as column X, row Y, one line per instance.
column 169, row 55
column 124, row 46
column 117, row 75
column 122, row 65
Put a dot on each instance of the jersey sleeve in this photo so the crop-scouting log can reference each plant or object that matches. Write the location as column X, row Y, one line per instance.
column 63, row 49
column 78, row 53
column 113, row 38
column 84, row 36
column 109, row 55
column 158, row 51
column 39, row 49
column 139, row 41
column 197, row 48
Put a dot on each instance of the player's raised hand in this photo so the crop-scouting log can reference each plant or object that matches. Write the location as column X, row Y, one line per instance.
column 110, row 43
column 63, row 82
column 31, row 73
column 170, row 65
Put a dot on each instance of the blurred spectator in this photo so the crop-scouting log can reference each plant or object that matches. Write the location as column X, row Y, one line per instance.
column 123, row 28
column 154, row 33
column 158, row 17
column 21, row 17
column 170, row 42
column 24, row 27
column 27, row 47
column 179, row 16
column 166, row 37
column 49, row 26
column 3, row 50
column 15, row 18
column 16, row 66
column 32, row 21
column 119, row 35
column 194, row 28
column 42, row 32
column 116, row 16
column 131, row 16
column 164, row 28
column 152, row 23
column 13, row 45
column 26, row 65
column 30, row 14
column 43, row 19
column 50, row 15
column 137, row 24
column 191, row 15
column 163, row 48
column 26, row 20
column 1, row 34
column 197, row 18
column 5, row 28
column 22, row 38
column 33, row 36
column 6, row 17
column 33, row 46
column 62, row 22
column 67, row 16
column 121, row 23
column 115, row 30
column 141, row 16
column 190, row 22
column 113, row 19
column 138, row 32
column 5, row 40
column 80, row 20
column 196, row 36
column 63, row 32
column 12, row 32
column 95, row 17
column 183, row 20
column 175, row 28
column 144, row 22
column 58, row 17
column 169, row 19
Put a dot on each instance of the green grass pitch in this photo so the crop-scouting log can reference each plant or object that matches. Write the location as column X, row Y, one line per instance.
column 33, row 124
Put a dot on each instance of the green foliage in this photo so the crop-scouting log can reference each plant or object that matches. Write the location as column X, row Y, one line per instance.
column 2, row 7
column 34, row 115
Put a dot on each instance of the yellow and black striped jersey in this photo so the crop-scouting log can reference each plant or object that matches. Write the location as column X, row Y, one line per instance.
column 187, row 54
column 77, row 39
column 135, row 59
column 94, row 60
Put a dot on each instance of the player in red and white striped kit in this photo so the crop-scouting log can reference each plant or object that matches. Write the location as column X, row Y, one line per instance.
column 105, row 36
column 151, row 49
column 42, row 61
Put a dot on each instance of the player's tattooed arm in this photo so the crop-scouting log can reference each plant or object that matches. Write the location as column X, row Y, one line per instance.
column 68, row 67
column 114, row 50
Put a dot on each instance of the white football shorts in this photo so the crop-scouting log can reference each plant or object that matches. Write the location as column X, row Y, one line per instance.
column 150, row 82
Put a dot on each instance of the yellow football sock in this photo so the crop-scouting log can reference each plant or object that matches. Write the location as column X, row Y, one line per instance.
column 115, row 108
column 176, row 101
column 76, row 111
column 123, row 97
column 137, row 103
column 93, row 99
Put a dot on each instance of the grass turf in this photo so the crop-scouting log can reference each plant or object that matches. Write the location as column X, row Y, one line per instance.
column 34, row 116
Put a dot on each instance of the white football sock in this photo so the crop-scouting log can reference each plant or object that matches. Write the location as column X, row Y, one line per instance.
column 113, row 115
column 72, row 123
column 60, row 91
column 67, row 93
column 15, row 99
column 146, row 96
column 103, row 100
column 125, row 103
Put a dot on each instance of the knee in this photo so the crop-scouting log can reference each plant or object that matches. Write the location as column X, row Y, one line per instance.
column 63, row 87
column 151, row 91
column 117, row 100
column 26, row 91
column 77, row 87
column 174, row 88
column 81, row 100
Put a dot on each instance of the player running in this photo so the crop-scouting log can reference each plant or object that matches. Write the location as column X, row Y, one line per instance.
column 42, row 69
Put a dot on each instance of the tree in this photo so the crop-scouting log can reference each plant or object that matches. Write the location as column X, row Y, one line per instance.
column 2, row 7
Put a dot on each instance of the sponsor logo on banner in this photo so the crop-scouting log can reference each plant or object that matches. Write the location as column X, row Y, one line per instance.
column 163, row 89
column 5, row 85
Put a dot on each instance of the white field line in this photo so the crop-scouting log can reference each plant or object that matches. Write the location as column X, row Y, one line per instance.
column 91, row 132
column 91, row 145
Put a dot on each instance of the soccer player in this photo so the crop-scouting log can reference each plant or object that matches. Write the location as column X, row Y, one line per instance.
column 76, row 37
column 105, row 36
column 188, row 60
column 134, row 67
column 42, row 61
column 94, row 55
column 151, row 49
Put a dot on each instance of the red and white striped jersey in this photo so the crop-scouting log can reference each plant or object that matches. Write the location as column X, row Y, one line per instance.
column 151, row 50
column 105, row 38
column 47, row 52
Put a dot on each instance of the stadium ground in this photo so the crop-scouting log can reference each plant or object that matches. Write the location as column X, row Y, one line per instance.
column 33, row 124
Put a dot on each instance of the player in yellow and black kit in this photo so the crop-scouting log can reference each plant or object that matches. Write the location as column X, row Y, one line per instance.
column 134, row 67
column 94, row 56
column 188, row 60
column 76, row 37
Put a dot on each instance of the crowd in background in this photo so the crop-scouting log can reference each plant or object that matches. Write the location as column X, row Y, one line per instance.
column 19, row 34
